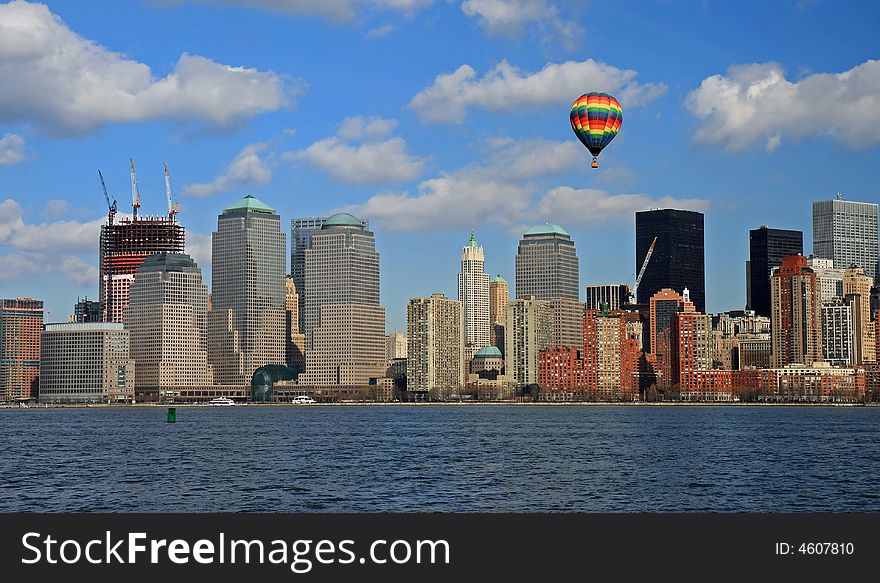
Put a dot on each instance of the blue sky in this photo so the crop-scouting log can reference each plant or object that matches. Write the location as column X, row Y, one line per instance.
column 430, row 118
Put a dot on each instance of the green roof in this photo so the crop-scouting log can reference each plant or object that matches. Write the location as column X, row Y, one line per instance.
column 488, row 352
column 342, row 220
column 499, row 279
column 249, row 202
column 473, row 241
column 547, row 229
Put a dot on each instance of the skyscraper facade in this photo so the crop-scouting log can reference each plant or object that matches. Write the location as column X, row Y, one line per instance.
column 664, row 306
column 613, row 295
column 528, row 331
column 167, row 320
column 796, row 318
column 246, row 323
column 767, row 247
column 837, row 332
column 294, row 340
column 473, row 293
column 21, row 321
column 857, row 292
column 611, row 356
column 830, row 278
column 678, row 259
column 344, row 323
column 301, row 230
column 435, row 332
column 846, row 232
column 499, row 296
column 124, row 245
column 547, row 268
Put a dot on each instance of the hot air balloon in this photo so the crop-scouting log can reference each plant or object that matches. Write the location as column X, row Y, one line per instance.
column 596, row 119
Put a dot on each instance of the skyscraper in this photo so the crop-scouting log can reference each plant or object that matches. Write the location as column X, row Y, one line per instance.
column 846, row 231
column 837, row 332
column 614, row 296
column 767, row 247
column 678, row 258
column 473, row 293
column 857, row 291
column 528, row 331
column 499, row 296
column 796, row 318
column 344, row 323
column 547, row 268
column 664, row 305
column 123, row 247
column 301, row 230
column 246, row 321
column 611, row 356
column 294, row 340
column 21, row 321
column 435, row 364
column 167, row 319
column 830, row 278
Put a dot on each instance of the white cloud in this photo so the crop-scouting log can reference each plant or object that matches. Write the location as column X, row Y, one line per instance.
column 198, row 246
column 756, row 103
column 56, row 208
column 590, row 206
column 66, row 84
column 525, row 159
column 365, row 128
column 11, row 149
column 375, row 161
column 507, row 88
column 333, row 10
column 57, row 247
column 380, row 31
column 510, row 18
column 247, row 170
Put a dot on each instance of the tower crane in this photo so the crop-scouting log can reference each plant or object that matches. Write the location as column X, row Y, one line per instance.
column 135, row 194
column 635, row 289
column 111, row 206
column 173, row 209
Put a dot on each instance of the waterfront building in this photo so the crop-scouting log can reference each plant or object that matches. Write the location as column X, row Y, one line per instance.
column 690, row 343
column 124, row 245
column 246, row 323
column 845, row 231
column 488, row 362
column 613, row 296
column 754, row 352
column 499, row 297
column 611, row 356
column 344, row 323
column 167, row 320
column 528, row 331
column 86, row 362
column 435, row 366
column 796, row 319
column 814, row 382
column 767, row 247
column 857, row 292
column 301, row 230
column 473, row 293
column 21, row 321
column 678, row 258
column 294, row 340
column 395, row 346
column 837, row 332
column 664, row 305
column 547, row 268
column 830, row 278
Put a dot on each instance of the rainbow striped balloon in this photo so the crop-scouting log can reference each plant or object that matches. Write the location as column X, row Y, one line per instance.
column 596, row 118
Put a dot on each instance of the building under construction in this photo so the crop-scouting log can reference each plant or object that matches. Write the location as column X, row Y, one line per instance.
column 126, row 243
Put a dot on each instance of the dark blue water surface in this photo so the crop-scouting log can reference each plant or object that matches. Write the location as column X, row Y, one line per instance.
column 453, row 458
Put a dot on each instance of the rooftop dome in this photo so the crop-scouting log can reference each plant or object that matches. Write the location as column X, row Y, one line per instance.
column 488, row 352
column 499, row 279
column 249, row 202
column 342, row 220
column 180, row 262
column 547, row 229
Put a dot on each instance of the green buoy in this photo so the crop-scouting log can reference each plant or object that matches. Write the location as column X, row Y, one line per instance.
column 172, row 414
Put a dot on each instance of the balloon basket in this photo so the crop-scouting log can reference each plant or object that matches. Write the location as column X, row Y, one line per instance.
column 595, row 163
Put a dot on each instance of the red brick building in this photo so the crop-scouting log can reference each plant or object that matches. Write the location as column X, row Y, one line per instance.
column 21, row 322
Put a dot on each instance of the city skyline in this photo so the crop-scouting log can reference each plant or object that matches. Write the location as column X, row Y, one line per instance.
column 282, row 148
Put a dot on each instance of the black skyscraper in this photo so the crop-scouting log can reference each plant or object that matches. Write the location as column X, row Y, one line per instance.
column 677, row 262
column 767, row 247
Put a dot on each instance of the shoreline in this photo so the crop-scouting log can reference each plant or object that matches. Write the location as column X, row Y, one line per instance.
column 432, row 404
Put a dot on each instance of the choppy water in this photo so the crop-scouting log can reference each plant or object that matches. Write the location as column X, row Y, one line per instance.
column 504, row 458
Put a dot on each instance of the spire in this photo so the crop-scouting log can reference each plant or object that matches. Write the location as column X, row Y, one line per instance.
column 473, row 241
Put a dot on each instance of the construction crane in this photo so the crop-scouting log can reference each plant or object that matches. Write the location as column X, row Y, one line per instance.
column 635, row 289
column 135, row 194
column 111, row 206
column 173, row 209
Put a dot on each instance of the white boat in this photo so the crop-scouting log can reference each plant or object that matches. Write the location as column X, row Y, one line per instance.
column 299, row 399
column 222, row 402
